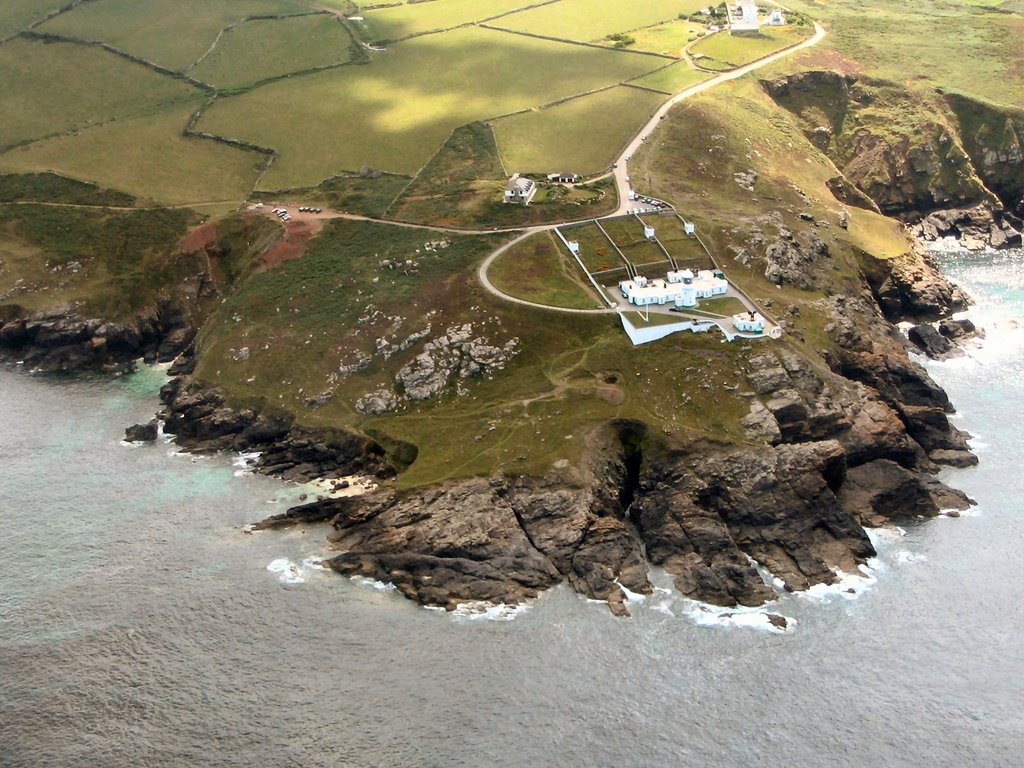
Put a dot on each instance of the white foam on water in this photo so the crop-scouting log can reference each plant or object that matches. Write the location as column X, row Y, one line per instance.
column 379, row 586
column 848, row 586
column 245, row 463
column 478, row 610
column 290, row 572
column 742, row 617
column 287, row 571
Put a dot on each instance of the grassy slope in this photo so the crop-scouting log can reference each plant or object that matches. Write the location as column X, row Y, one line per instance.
column 673, row 78
column 257, row 50
column 725, row 51
column 394, row 113
column 170, row 33
column 587, row 20
column 50, row 88
column 540, row 269
column 669, row 38
column 582, row 135
column 147, row 157
column 110, row 262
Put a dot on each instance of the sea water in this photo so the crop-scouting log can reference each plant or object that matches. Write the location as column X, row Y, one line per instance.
column 141, row 625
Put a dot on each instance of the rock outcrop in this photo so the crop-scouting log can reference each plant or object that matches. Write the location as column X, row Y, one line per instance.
column 202, row 420
column 62, row 340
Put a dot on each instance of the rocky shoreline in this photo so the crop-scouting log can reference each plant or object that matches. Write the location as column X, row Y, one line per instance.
column 834, row 444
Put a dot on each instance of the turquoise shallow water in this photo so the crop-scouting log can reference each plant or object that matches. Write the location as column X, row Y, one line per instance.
column 140, row 626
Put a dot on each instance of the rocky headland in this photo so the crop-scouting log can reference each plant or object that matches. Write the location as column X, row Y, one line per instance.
column 849, row 441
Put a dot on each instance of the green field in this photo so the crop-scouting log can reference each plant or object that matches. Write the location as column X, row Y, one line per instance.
column 724, row 51
column 587, row 20
column 51, row 88
column 941, row 43
column 171, row 33
column 669, row 38
column 672, row 79
column 583, row 135
column 628, row 234
column 540, row 269
column 396, row 112
column 415, row 18
column 147, row 157
column 596, row 252
column 15, row 15
column 258, row 50
column 684, row 249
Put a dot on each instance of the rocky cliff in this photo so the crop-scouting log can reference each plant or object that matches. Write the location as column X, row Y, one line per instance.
column 911, row 154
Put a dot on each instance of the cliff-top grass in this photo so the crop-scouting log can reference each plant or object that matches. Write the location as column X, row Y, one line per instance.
column 308, row 324
column 540, row 269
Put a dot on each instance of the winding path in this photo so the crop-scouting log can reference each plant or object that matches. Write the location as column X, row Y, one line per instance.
column 620, row 167
column 619, row 170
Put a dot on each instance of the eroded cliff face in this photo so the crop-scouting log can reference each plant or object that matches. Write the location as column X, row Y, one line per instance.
column 910, row 154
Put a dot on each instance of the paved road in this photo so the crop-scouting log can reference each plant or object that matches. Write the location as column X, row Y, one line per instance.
column 621, row 170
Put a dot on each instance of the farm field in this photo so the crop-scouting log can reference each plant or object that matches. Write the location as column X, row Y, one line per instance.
column 258, row 50
column 668, row 38
column 644, row 252
column 539, row 269
column 596, row 252
column 147, row 157
column 672, row 79
column 416, row 18
column 582, row 135
column 725, row 51
column 395, row 113
column 15, row 15
column 684, row 249
column 589, row 20
column 170, row 33
column 41, row 100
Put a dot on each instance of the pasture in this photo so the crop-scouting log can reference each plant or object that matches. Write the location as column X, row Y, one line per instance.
column 582, row 135
column 15, row 15
column 262, row 49
column 171, row 33
column 401, row 21
column 725, row 51
column 147, row 157
column 596, row 251
column 671, row 79
column 668, row 39
column 396, row 112
column 51, row 88
column 590, row 20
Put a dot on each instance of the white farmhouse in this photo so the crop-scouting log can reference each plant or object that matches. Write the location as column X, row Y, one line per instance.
column 520, row 190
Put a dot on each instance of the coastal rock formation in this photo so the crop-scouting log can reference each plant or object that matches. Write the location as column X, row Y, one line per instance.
column 142, row 433
column 954, row 169
column 200, row 418
column 62, row 340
